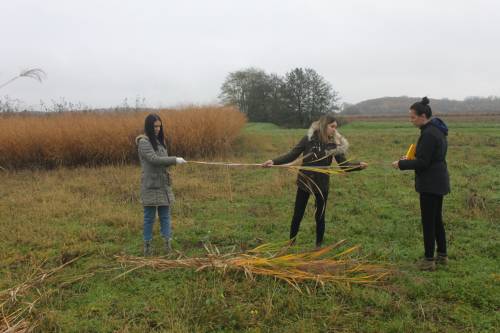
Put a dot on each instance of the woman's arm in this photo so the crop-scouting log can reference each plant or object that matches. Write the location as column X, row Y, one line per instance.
column 425, row 150
column 146, row 150
column 293, row 154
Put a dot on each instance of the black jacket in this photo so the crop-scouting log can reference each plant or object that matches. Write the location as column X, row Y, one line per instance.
column 314, row 152
column 431, row 171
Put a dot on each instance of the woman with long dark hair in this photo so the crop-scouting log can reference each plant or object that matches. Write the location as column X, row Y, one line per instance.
column 319, row 147
column 156, row 190
column 431, row 180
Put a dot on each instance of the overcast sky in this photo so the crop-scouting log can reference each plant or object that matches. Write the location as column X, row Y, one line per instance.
column 179, row 52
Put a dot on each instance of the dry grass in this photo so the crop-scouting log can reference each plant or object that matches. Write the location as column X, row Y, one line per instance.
column 34, row 73
column 275, row 261
column 17, row 303
column 69, row 211
column 96, row 138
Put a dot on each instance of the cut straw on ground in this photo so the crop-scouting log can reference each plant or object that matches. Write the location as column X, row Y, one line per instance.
column 17, row 303
column 320, row 266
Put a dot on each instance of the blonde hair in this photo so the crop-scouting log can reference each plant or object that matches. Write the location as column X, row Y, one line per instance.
column 322, row 124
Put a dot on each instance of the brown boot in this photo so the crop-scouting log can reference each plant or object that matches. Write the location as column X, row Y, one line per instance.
column 427, row 264
column 442, row 259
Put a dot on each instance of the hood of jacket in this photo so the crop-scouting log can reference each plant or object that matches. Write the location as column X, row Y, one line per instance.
column 139, row 137
column 340, row 141
column 439, row 123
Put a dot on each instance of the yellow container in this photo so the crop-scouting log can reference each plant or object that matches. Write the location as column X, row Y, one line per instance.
column 410, row 154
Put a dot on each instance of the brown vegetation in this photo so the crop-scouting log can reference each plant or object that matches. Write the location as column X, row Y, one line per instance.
column 275, row 259
column 94, row 138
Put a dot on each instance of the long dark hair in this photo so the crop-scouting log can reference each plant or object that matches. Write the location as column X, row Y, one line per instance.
column 422, row 107
column 149, row 130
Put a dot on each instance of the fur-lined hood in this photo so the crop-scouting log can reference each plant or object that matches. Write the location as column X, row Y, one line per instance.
column 338, row 139
column 139, row 137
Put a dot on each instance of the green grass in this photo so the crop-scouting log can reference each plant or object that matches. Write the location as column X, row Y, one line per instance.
column 63, row 213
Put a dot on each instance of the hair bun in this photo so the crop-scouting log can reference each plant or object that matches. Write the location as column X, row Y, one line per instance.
column 425, row 101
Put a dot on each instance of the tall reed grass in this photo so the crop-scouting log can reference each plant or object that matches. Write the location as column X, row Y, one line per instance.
column 96, row 138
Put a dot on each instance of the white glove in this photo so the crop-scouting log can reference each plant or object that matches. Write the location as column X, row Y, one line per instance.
column 180, row 160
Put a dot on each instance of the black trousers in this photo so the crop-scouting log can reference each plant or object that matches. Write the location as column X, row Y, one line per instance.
column 431, row 206
column 300, row 207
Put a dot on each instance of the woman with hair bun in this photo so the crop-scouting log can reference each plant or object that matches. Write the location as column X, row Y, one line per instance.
column 431, row 180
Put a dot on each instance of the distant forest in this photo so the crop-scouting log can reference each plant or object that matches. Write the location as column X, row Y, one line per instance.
column 395, row 105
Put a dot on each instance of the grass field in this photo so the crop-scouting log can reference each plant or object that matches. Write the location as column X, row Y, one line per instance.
column 49, row 217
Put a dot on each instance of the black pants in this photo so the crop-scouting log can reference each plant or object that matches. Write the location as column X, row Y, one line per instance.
column 431, row 206
column 300, row 207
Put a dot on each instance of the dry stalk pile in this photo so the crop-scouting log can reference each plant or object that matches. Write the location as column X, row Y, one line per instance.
column 320, row 266
column 17, row 303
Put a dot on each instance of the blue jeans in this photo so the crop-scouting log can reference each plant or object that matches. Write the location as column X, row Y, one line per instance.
column 149, row 219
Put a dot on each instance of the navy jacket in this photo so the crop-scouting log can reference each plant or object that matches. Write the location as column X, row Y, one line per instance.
column 431, row 171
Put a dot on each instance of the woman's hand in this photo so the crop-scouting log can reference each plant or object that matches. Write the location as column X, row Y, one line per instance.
column 395, row 164
column 363, row 165
column 267, row 164
column 180, row 160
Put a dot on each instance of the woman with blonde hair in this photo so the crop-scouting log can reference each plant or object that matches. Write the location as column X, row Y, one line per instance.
column 319, row 147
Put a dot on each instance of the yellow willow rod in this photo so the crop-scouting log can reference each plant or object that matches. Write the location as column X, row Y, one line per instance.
column 260, row 165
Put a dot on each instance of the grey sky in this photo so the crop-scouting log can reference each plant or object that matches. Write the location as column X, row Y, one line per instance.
column 177, row 52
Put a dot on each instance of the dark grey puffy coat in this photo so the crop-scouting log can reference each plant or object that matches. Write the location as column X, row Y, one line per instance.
column 156, row 185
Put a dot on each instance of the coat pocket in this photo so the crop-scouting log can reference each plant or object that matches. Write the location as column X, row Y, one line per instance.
column 152, row 181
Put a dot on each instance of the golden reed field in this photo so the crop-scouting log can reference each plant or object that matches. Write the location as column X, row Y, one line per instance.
column 95, row 138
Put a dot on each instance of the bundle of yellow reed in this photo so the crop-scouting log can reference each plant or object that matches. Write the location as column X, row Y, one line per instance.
column 319, row 266
column 294, row 166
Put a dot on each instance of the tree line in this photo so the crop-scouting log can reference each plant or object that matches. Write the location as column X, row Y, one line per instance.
column 293, row 100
